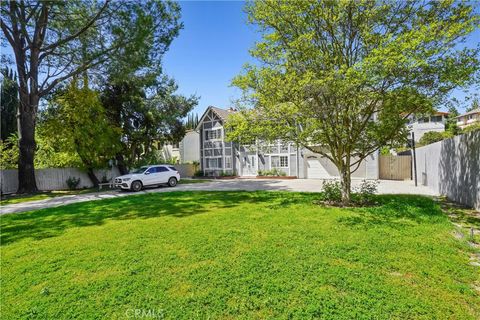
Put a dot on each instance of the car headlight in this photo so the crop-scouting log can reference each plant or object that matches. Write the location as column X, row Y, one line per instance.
column 126, row 179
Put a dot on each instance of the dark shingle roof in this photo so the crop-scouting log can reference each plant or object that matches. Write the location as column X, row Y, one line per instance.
column 222, row 113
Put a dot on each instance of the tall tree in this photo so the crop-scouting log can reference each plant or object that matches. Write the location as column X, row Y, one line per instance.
column 341, row 77
column 9, row 101
column 77, row 121
column 147, row 111
column 53, row 41
column 475, row 105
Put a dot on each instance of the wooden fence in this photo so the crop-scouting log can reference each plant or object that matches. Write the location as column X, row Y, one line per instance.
column 56, row 178
column 395, row 167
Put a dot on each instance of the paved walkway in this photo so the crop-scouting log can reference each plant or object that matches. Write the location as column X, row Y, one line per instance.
column 305, row 185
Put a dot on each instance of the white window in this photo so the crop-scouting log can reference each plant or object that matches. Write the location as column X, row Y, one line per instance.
column 213, row 163
column 213, row 134
column 279, row 161
column 228, row 162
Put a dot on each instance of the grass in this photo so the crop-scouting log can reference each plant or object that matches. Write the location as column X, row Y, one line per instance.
column 189, row 181
column 11, row 199
column 247, row 255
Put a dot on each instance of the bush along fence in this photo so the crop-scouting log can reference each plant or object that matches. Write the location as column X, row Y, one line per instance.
column 66, row 178
column 452, row 168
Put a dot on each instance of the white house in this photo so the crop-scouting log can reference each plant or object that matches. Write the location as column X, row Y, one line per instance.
column 186, row 151
column 218, row 156
column 469, row 118
column 419, row 125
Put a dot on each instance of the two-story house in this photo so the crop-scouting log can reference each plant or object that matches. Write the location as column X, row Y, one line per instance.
column 469, row 118
column 218, row 156
column 186, row 151
column 419, row 125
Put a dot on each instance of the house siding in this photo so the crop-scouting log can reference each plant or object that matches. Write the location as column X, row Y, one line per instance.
column 247, row 160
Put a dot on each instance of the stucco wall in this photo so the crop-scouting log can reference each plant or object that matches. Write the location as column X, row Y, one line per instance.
column 190, row 147
column 452, row 168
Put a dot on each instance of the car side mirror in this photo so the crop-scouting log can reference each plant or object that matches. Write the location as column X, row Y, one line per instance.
column 148, row 172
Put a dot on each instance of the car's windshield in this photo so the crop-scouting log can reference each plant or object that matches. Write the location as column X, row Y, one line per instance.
column 139, row 170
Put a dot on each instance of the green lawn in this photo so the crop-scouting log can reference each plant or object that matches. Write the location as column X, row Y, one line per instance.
column 42, row 195
column 224, row 255
column 188, row 181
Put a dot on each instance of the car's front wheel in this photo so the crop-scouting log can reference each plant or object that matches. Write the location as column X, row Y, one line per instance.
column 172, row 182
column 136, row 186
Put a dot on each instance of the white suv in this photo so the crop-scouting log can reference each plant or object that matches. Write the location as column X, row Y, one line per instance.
column 153, row 175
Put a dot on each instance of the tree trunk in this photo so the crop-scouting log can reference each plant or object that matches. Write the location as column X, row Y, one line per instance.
column 26, row 169
column 346, row 184
column 121, row 164
column 93, row 177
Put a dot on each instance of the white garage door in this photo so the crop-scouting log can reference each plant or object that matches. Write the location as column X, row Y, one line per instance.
column 315, row 170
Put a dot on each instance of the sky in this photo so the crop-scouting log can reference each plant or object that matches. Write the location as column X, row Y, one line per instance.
column 210, row 51
column 214, row 45
column 212, row 48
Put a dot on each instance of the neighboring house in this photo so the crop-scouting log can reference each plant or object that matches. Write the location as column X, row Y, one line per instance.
column 218, row 156
column 169, row 152
column 469, row 118
column 419, row 125
column 190, row 147
column 186, row 151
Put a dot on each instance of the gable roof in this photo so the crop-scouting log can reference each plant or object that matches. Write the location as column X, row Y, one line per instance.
column 221, row 113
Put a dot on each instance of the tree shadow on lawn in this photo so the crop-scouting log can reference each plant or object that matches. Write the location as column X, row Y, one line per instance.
column 52, row 222
column 396, row 211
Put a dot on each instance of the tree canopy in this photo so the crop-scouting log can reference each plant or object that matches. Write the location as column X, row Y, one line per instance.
column 341, row 77
column 54, row 41
column 9, row 100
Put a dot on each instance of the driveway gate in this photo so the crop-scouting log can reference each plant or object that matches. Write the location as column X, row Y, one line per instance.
column 395, row 167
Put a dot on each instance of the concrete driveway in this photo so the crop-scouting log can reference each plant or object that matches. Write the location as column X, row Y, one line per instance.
column 301, row 185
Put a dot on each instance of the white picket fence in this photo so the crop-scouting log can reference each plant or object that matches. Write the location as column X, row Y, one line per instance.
column 56, row 178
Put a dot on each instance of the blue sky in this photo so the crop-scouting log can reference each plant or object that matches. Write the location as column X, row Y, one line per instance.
column 210, row 51
column 212, row 48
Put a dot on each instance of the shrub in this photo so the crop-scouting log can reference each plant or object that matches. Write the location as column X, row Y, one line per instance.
column 366, row 191
column 73, row 183
column 332, row 191
column 272, row 173
column 433, row 136
column 471, row 128
column 198, row 173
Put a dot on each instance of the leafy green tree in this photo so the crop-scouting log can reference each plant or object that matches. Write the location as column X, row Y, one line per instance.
column 340, row 77
column 9, row 104
column 475, row 105
column 63, row 39
column 451, row 123
column 49, row 153
column 9, row 152
column 471, row 128
column 432, row 137
column 77, row 121
column 147, row 111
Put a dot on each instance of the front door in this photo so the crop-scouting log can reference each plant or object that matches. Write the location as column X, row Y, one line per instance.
column 250, row 165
